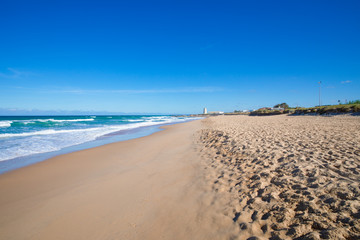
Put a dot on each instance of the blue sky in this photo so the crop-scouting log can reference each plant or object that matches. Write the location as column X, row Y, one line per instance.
column 176, row 56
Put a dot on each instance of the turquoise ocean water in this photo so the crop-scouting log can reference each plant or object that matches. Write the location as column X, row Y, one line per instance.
column 28, row 139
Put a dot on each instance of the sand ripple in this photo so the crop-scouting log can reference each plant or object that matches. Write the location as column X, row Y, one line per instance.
column 284, row 177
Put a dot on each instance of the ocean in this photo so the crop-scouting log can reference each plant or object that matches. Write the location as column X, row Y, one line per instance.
column 28, row 139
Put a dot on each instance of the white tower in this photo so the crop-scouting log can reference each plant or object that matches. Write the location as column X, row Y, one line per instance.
column 205, row 111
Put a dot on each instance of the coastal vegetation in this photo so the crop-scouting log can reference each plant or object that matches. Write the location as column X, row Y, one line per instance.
column 280, row 108
column 283, row 108
column 354, row 102
column 266, row 111
column 330, row 109
column 282, row 105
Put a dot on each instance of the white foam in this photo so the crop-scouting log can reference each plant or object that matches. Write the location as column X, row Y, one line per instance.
column 44, row 132
column 23, row 144
column 5, row 123
column 25, row 121
column 54, row 120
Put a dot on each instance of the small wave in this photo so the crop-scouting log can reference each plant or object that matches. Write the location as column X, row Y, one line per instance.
column 72, row 120
column 44, row 132
column 32, row 121
column 5, row 123
column 27, row 143
column 158, row 119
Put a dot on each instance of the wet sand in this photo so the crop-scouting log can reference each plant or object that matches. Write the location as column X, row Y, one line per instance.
column 146, row 188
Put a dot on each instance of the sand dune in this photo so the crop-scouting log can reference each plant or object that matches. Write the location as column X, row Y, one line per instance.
column 284, row 177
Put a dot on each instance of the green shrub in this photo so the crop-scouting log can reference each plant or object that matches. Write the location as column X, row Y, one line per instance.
column 282, row 105
column 354, row 102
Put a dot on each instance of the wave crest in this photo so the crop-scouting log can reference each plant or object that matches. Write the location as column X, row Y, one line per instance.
column 5, row 123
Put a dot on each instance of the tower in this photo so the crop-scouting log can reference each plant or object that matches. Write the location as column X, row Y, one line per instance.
column 205, row 111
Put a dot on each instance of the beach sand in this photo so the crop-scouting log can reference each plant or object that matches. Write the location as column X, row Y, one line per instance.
column 286, row 177
column 145, row 188
column 226, row 177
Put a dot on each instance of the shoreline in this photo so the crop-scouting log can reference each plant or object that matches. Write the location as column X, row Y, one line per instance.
column 141, row 188
column 122, row 135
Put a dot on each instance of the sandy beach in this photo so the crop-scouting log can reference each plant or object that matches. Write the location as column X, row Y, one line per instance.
column 145, row 188
column 226, row 177
column 286, row 177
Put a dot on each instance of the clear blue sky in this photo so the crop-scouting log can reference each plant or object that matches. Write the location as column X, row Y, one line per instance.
column 177, row 56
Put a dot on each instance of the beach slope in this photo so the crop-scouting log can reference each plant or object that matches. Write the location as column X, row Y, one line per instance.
column 146, row 188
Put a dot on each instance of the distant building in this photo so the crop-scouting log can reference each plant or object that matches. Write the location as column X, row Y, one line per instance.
column 205, row 111
column 216, row 113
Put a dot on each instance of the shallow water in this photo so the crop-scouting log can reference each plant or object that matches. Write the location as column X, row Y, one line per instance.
column 26, row 140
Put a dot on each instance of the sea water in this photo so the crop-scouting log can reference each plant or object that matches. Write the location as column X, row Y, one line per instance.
column 26, row 139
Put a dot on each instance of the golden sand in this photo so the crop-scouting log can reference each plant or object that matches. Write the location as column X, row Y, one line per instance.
column 228, row 177
column 286, row 177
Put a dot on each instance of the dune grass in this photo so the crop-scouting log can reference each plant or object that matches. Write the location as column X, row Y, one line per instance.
column 342, row 108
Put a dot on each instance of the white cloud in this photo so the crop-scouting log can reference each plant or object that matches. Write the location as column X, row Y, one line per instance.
column 345, row 82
